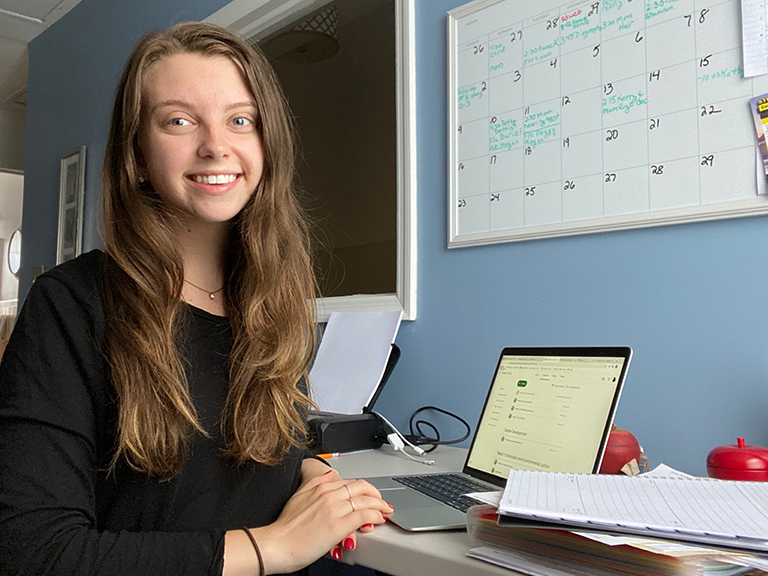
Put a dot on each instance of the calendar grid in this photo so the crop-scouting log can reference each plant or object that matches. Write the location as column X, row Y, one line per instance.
column 633, row 108
column 692, row 157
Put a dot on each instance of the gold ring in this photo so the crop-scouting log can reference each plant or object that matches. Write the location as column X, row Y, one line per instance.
column 353, row 505
column 348, row 492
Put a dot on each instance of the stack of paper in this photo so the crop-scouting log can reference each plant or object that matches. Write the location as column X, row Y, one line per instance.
column 551, row 523
column 560, row 552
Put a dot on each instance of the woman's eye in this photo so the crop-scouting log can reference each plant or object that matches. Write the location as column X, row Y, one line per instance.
column 241, row 121
column 180, row 122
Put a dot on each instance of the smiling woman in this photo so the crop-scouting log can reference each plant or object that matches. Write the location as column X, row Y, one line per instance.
column 152, row 398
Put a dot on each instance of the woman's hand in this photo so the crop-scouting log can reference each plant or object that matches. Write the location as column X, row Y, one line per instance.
column 312, row 468
column 322, row 513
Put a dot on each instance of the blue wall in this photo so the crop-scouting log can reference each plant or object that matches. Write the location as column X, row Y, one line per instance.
column 690, row 300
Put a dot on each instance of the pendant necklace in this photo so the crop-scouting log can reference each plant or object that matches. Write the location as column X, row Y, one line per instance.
column 211, row 295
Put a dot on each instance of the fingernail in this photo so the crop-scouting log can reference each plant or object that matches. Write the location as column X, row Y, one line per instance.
column 349, row 544
column 367, row 526
column 390, row 505
column 329, row 472
column 336, row 553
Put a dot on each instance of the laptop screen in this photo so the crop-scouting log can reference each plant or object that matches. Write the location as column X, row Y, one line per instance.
column 548, row 409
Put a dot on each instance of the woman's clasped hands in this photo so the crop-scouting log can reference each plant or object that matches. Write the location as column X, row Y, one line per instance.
column 323, row 515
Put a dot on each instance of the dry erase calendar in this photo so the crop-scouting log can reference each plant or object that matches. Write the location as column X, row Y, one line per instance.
column 585, row 116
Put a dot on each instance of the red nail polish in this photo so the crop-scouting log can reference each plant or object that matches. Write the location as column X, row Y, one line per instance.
column 367, row 526
column 349, row 544
column 336, row 553
column 390, row 505
column 329, row 472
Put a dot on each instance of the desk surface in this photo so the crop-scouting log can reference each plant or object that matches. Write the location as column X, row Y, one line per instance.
column 395, row 551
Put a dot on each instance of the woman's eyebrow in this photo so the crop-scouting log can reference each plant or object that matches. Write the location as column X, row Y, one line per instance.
column 245, row 104
column 165, row 103
column 183, row 104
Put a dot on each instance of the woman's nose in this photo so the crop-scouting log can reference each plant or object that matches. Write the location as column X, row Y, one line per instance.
column 214, row 143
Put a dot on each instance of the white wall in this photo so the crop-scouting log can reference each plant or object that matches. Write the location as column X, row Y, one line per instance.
column 11, row 194
column 11, row 141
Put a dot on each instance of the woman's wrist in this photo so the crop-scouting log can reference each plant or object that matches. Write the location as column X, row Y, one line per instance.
column 241, row 557
column 262, row 571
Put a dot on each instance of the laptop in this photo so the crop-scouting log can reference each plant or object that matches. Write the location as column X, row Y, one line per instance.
column 546, row 409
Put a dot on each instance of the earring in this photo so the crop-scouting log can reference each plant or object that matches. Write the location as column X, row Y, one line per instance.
column 141, row 179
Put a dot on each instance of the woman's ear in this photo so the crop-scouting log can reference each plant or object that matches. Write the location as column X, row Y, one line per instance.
column 141, row 166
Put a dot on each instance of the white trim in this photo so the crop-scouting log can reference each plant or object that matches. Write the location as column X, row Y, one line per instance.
column 260, row 18
column 407, row 217
column 358, row 303
column 736, row 209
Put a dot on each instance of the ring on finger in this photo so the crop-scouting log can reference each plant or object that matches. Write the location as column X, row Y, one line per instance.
column 353, row 505
column 349, row 494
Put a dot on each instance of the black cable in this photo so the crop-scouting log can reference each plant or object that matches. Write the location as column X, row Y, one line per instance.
column 419, row 438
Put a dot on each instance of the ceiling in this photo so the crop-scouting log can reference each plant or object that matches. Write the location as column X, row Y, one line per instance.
column 20, row 22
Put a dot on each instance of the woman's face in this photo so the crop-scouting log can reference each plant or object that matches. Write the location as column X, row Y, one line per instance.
column 198, row 138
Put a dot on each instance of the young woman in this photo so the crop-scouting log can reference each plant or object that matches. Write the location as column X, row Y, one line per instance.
column 151, row 397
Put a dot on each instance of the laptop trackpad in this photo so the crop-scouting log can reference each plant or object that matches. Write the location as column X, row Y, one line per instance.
column 405, row 498
column 415, row 511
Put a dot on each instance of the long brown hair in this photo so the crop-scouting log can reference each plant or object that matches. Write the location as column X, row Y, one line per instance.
column 269, row 281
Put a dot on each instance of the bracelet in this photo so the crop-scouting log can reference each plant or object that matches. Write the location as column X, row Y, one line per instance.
column 262, row 572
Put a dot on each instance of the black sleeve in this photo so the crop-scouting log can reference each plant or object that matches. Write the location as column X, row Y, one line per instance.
column 51, row 384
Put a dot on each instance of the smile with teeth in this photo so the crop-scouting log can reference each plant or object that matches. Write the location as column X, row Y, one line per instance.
column 214, row 178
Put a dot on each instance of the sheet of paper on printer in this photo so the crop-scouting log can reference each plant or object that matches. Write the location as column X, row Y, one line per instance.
column 351, row 359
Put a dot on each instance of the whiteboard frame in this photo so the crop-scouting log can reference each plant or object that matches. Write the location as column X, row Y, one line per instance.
column 714, row 211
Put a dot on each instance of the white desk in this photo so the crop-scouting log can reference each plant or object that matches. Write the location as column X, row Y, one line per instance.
column 393, row 550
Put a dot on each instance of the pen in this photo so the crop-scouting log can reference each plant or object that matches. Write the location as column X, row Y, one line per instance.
column 337, row 454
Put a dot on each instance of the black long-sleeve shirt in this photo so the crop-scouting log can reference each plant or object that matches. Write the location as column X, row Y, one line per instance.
column 60, row 512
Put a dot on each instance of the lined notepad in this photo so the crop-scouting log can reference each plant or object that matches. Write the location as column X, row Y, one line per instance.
column 732, row 514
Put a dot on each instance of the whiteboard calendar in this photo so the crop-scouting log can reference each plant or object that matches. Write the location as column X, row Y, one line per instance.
column 586, row 116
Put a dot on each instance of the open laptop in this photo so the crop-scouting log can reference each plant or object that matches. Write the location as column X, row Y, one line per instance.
column 547, row 409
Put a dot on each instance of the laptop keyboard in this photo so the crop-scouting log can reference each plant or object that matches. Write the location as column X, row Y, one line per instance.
column 446, row 488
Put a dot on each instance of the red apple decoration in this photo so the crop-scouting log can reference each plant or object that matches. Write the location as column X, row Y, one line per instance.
column 738, row 461
column 622, row 447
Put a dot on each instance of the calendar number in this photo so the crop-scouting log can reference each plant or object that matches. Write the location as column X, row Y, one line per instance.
column 709, row 110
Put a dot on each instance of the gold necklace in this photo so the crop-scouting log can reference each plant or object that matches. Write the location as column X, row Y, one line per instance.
column 211, row 295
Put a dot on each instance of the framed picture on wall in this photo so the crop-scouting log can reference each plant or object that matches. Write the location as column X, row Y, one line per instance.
column 71, row 191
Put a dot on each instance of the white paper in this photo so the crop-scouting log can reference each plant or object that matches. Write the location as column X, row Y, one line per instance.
column 750, row 561
column 351, row 359
column 695, row 508
column 754, row 17
column 664, row 471
column 492, row 498
column 609, row 539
